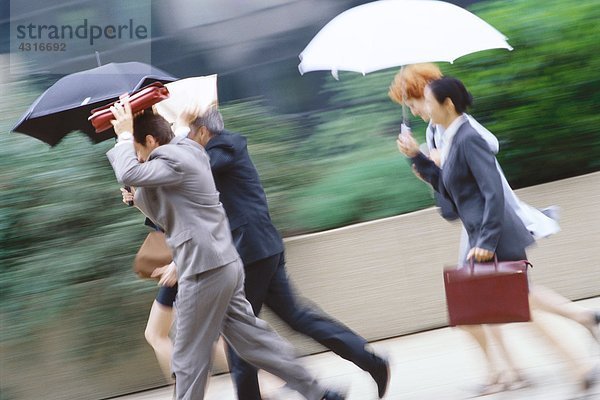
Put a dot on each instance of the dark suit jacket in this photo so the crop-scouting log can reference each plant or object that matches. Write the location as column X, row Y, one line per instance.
column 471, row 182
column 254, row 235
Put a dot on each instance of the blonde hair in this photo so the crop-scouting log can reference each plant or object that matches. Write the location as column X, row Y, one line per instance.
column 410, row 81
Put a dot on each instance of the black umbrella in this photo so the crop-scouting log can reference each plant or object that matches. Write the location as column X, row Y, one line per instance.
column 66, row 105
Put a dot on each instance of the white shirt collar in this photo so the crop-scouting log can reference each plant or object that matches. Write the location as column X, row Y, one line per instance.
column 448, row 136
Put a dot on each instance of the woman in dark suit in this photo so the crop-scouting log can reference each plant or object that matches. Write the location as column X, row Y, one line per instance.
column 469, row 179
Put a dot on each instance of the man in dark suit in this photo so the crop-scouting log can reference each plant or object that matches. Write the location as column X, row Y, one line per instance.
column 262, row 251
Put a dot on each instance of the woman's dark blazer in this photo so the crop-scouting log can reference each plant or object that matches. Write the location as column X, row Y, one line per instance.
column 471, row 182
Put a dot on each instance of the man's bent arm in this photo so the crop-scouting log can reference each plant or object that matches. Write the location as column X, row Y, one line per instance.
column 158, row 171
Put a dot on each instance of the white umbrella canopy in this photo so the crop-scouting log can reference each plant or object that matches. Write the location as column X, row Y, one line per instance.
column 391, row 33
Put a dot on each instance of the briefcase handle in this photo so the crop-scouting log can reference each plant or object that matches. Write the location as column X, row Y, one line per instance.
column 472, row 264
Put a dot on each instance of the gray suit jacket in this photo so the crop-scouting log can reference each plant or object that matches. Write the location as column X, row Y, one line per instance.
column 471, row 182
column 175, row 189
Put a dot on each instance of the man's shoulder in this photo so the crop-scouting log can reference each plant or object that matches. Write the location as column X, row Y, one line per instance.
column 227, row 140
column 176, row 147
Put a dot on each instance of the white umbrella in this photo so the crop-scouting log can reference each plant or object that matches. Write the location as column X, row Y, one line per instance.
column 391, row 33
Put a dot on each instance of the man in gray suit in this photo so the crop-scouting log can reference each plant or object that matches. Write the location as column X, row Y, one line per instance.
column 176, row 190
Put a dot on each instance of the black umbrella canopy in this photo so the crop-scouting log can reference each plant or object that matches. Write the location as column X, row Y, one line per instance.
column 66, row 105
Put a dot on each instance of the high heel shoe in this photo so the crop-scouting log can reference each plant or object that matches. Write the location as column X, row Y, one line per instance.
column 519, row 383
column 490, row 388
column 594, row 325
column 494, row 385
column 591, row 378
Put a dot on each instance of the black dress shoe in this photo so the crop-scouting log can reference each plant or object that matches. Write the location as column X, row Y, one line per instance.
column 331, row 395
column 381, row 375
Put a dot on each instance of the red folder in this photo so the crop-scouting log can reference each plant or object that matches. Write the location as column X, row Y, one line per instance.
column 144, row 98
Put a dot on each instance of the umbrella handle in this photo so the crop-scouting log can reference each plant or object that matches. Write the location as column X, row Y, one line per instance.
column 404, row 116
column 128, row 188
column 405, row 129
column 404, row 113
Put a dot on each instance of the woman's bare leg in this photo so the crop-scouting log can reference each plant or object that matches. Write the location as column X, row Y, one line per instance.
column 157, row 332
column 514, row 378
column 580, row 367
column 545, row 299
column 478, row 332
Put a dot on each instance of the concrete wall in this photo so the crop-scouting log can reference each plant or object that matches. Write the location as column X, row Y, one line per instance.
column 384, row 278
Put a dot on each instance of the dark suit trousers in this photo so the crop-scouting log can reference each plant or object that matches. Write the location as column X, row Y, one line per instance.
column 267, row 283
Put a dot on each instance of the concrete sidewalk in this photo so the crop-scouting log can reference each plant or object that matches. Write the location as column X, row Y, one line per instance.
column 442, row 364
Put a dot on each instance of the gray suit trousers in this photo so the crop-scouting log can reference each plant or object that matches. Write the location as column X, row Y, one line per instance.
column 213, row 303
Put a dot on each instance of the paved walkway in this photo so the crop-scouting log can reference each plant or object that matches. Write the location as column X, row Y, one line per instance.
column 442, row 364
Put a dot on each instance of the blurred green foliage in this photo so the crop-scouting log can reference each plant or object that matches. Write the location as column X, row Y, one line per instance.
column 68, row 241
column 348, row 170
column 542, row 99
column 65, row 233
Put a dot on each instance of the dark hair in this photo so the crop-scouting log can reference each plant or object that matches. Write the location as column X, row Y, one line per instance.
column 448, row 87
column 151, row 124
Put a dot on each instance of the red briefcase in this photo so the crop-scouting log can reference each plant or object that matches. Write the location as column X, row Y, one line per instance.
column 487, row 293
column 144, row 98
